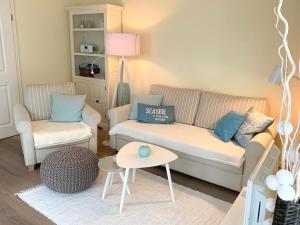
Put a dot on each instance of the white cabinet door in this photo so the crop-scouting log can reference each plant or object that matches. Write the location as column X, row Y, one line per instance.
column 9, row 89
column 99, row 99
column 83, row 88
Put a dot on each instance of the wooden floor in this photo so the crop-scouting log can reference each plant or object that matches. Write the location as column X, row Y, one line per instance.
column 14, row 178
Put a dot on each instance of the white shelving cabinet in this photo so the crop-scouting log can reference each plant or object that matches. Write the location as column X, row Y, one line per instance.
column 88, row 25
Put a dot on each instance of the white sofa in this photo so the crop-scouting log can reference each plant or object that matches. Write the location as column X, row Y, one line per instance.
column 201, row 153
column 39, row 137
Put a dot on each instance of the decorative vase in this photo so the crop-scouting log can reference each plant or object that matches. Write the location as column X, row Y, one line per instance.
column 123, row 93
column 286, row 212
column 144, row 151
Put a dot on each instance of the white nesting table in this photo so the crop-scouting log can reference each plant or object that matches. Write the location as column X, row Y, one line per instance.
column 108, row 164
column 128, row 157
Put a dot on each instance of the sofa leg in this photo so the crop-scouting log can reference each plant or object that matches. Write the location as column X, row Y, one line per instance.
column 30, row 168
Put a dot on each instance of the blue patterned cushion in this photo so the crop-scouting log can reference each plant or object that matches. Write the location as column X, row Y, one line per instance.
column 255, row 123
column 155, row 114
column 228, row 125
column 144, row 99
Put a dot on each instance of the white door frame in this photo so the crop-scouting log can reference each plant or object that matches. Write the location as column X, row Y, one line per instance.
column 11, row 83
column 16, row 49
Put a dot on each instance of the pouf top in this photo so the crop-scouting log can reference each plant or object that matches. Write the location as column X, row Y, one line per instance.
column 71, row 155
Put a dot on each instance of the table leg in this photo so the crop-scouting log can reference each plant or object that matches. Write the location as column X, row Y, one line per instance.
column 123, row 179
column 111, row 179
column 133, row 176
column 107, row 181
column 170, row 182
column 124, row 189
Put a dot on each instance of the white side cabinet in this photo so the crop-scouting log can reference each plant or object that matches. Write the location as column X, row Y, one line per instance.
column 88, row 26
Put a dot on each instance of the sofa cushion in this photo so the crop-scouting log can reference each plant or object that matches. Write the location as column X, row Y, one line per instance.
column 228, row 125
column 144, row 99
column 46, row 134
column 155, row 114
column 188, row 139
column 185, row 101
column 37, row 98
column 255, row 123
column 213, row 106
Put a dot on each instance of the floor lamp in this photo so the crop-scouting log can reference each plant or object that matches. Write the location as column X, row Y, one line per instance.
column 122, row 45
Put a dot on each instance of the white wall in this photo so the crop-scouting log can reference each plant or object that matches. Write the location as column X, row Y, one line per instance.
column 225, row 46
column 43, row 38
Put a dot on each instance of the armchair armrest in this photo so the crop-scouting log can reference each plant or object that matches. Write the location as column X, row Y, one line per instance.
column 254, row 151
column 118, row 114
column 91, row 117
column 22, row 119
column 24, row 127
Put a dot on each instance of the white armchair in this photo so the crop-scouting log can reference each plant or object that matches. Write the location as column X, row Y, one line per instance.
column 39, row 137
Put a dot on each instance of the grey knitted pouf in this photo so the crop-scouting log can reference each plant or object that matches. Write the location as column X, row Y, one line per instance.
column 70, row 170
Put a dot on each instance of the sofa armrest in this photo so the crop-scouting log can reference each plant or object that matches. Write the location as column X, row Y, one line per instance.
column 118, row 114
column 91, row 117
column 254, row 151
column 22, row 119
column 272, row 130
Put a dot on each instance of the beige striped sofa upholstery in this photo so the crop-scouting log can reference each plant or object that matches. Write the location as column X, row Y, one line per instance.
column 40, row 137
column 185, row 101
column 213, row 106
column 201, row 153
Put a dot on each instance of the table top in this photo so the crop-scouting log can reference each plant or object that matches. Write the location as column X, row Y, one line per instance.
column 109, row 164
column 128, row 156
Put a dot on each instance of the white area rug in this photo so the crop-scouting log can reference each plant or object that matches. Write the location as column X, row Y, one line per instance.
column 149, row 203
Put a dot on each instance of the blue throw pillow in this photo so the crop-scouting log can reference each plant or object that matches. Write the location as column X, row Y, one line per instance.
column 228, row 125
column 144, row 99
column 155, row 114
column 66, row 108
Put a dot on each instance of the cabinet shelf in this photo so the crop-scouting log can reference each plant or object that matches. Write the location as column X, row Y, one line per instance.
column 102, row 79
column 97, row 20
column 87, row 29
column 89, row 54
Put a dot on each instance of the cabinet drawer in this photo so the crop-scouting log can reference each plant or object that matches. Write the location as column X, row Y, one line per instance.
column 82, row 88
column 98, row 91
column 97, row 100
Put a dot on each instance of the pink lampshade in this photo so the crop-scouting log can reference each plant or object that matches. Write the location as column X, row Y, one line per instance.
column 122, row 44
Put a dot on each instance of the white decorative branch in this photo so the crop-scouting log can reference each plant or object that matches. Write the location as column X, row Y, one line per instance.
column 288, row 135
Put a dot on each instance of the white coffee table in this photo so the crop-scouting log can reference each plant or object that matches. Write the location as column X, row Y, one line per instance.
column 128, row 158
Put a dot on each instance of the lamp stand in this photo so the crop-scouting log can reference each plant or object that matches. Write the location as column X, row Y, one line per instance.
column 122, row 69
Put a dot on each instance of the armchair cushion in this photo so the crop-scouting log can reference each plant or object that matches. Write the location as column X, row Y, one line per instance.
column 47, row 134
column 66, row 108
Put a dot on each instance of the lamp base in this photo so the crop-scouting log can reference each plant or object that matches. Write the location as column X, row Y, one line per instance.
column 105, row 143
